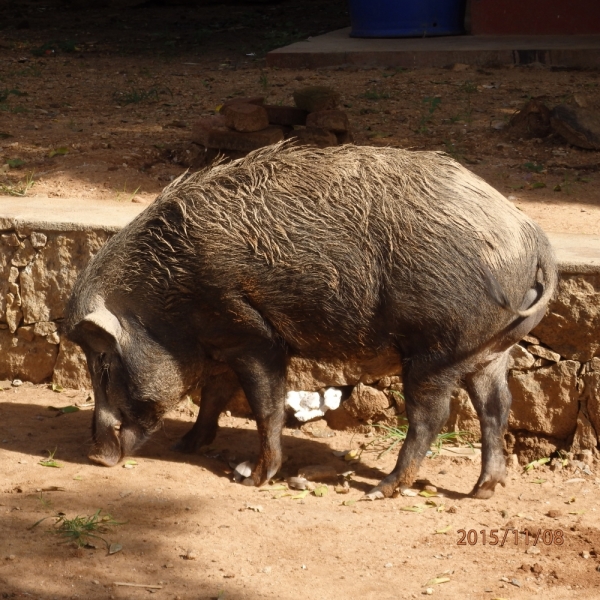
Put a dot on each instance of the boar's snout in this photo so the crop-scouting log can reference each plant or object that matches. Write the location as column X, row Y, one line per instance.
column 115, row 444
column 106, row 450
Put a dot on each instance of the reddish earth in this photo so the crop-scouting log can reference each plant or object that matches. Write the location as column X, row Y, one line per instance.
column 192, row 532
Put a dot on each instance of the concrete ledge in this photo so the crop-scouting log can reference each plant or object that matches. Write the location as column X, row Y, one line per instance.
column 337, row 48
column 65, row 214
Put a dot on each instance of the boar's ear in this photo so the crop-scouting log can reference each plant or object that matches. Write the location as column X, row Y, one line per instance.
column 101, row 331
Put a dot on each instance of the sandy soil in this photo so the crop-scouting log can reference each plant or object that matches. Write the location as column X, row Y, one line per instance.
column 99, row 103
column 190, row 531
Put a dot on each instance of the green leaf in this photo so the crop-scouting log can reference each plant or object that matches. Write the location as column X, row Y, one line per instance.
column 321, row 490
column 15, row 163
column 58, row 151
column 273, row 488
column 50, row 462
column 348, row 502
column 539, row 481
column 55, row 387
column 301, row 495
column 538, row 184
column 427, row 494
column 443, row 531
column 437, row 581
column 416, row 509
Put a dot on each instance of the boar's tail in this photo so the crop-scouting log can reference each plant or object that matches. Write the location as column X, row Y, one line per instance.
column 546, row 281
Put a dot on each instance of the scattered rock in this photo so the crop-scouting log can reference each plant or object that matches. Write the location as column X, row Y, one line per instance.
column 578, row 126
column 316, row 98
column 10, row 239
column 532, row 121
column 331, row 120
column 245, row 117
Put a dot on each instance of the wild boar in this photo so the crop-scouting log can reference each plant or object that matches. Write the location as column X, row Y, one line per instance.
column 338, row 252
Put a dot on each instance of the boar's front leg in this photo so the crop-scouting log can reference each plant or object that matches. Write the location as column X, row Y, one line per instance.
column 488, row 389
column 218, row 388
column 427, row 390
column 261, row 369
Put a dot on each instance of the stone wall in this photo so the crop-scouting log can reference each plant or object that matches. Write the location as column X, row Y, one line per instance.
column 554, row 375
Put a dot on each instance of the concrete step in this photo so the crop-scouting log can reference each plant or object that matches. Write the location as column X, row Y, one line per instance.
column 337, row 48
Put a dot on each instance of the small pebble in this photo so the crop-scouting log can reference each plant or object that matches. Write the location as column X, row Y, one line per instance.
column 388, row 565
column 585, row 555
column 532, row 550
column 516, row 582
column 191, row 555
column 267, row 570
column 17, row 383
column 95, row 582
column 431, row 488
column 11, row 557
column 428, row 592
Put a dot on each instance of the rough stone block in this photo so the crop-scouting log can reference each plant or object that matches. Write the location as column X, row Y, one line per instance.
column 38, row 240
column 316, row 97
column 313, row 136
column 47, row 282
column 462, row 414
column 313, row 375
column 10, row 240
column 572, row 322
column 245, row 117
column 70, row 369
column 545, row 400
column 579, row 126
column 331, row 120
column 519, row 358
column 366, row 402
column 286, row 115
column 27, row 360
column 24, row 255
column 223, row 138
column 542, row 352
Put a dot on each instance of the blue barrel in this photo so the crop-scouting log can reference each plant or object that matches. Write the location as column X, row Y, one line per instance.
column 406, row 18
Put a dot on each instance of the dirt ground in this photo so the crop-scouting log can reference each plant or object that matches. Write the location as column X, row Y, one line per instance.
column 192, row 533
column 99, row 103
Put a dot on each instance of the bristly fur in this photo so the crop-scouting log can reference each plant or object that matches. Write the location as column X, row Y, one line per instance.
column 352, row 230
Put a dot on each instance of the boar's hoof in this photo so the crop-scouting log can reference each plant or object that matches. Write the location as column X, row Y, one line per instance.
column 374, row 494
column 104, row 460
column 485, row 489
column 185, row 446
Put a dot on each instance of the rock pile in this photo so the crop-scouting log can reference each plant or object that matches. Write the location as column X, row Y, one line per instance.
column 577, row 123
column 246, row 124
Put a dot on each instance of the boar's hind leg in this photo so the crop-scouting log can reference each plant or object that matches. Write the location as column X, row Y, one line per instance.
column 217, row 390
column 427, row 399
column 491, row 398
column 261, row 372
